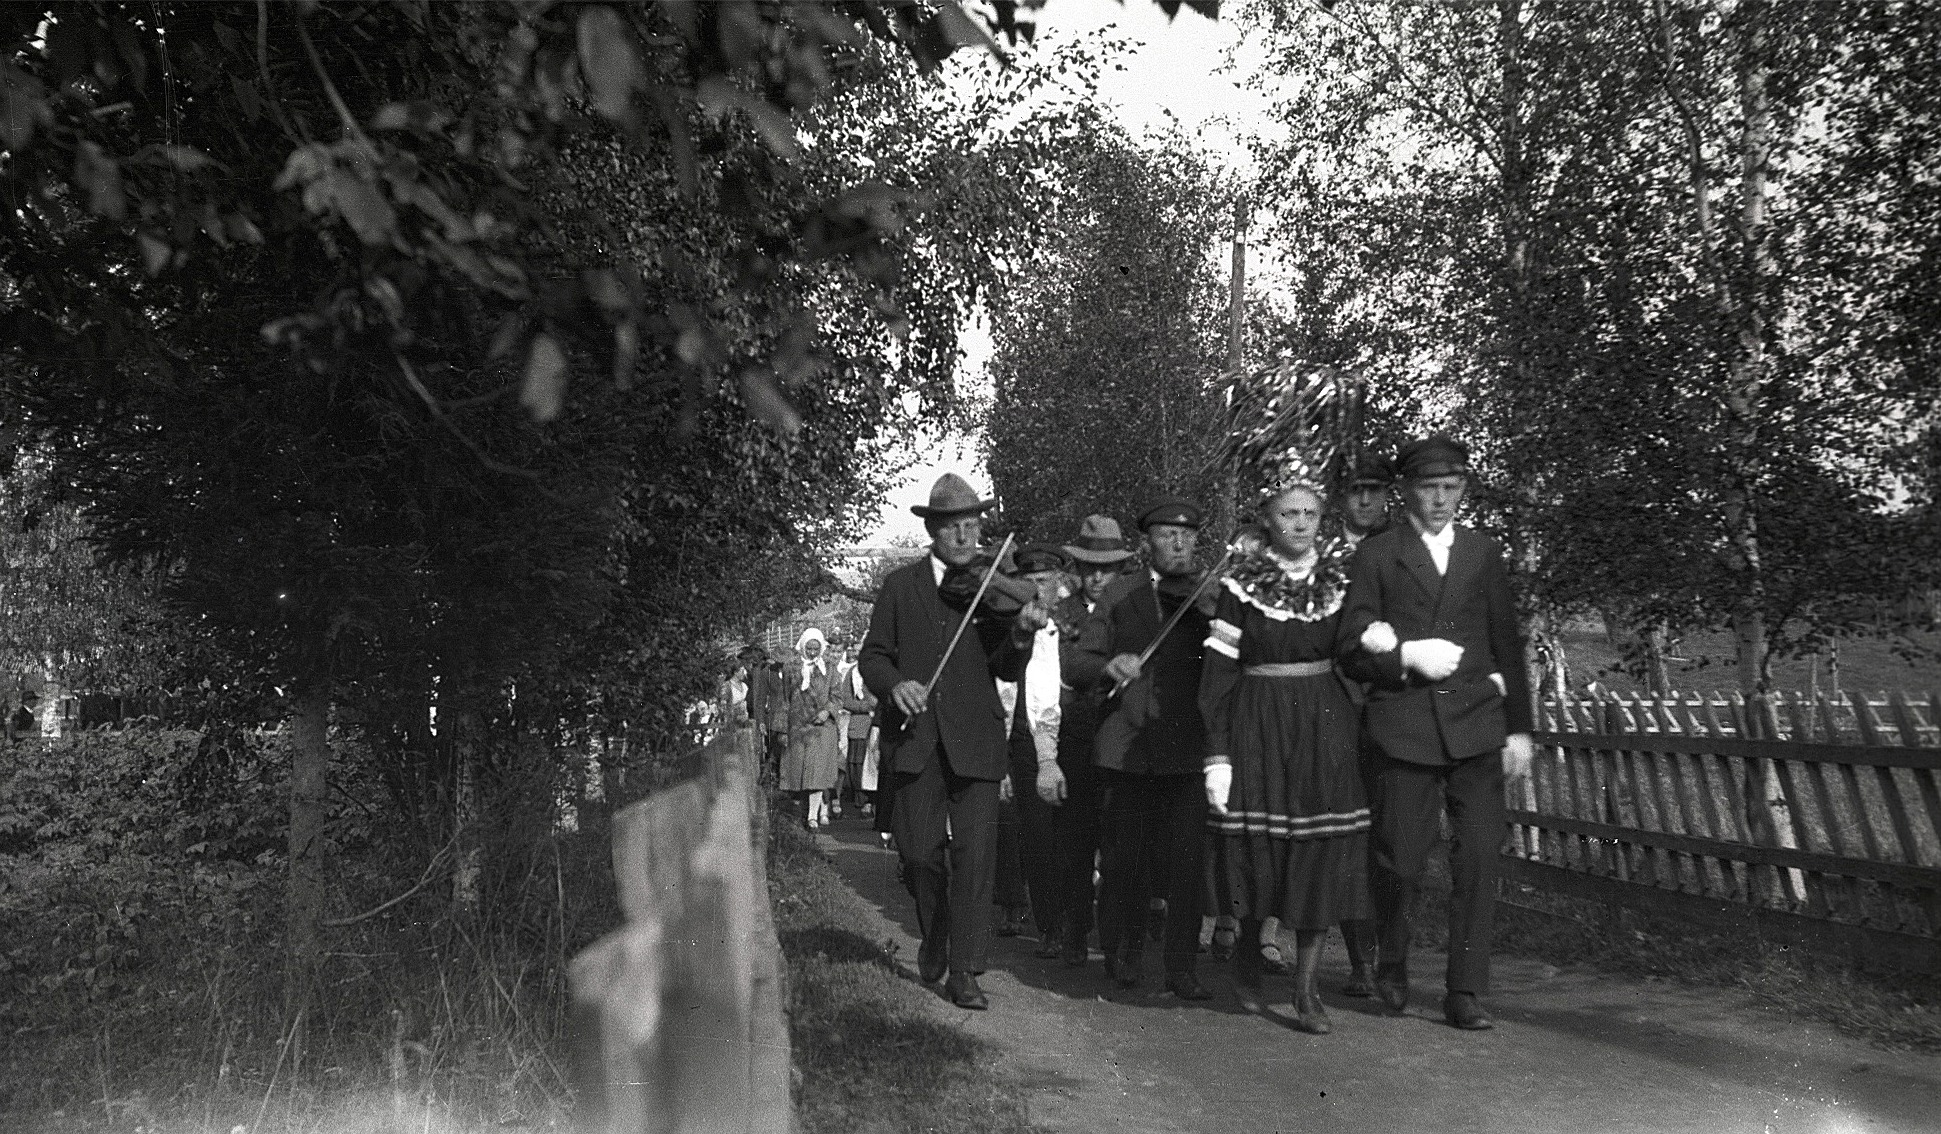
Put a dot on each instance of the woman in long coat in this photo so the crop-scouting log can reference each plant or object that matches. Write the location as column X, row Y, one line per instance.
column 1289, row 817
column 815, row 742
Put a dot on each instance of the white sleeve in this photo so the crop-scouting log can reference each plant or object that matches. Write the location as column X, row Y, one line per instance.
column 1041, row 687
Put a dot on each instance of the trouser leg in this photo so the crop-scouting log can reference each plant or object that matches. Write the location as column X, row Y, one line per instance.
column 1125, row 890
column 1075, row 827
column 1037, row 841
column 920, row 810
column 1406, row 810
column 973, row 868
column 1182, row 841
column 1474, row 792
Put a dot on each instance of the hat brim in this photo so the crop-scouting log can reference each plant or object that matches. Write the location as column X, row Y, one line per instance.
column 929, row 513
column 1087, row 555
column 1436, row 468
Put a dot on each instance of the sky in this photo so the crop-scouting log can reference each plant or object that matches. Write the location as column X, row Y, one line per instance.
column 1175, row 74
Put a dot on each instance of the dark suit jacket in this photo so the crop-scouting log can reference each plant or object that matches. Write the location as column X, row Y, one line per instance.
column 908, row 630
column 1394, row 580
column 1158, row 731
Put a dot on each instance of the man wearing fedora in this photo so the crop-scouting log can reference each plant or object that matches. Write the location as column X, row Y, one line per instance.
column 945, row 746
column 1430, row 625
column 1099, row 554
column 1150, row 750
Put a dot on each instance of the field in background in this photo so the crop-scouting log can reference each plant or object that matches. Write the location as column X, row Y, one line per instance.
column 1707, row 659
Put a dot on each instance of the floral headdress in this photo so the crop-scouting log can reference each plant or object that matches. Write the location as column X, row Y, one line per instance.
column 1290, row 425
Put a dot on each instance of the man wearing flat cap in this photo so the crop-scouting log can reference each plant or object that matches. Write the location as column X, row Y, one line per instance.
column 1027, row 849
column 1150, row 750
column 1430, row 625
column 945, row 746
column 1364, row 509
column 1099, row 554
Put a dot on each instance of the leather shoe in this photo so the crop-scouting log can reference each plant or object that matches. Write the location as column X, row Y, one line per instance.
column 1074, row 952
column 933, row 956
column 1311, row 1016
column 1392, row 988
column 1462, row 1011
column 1048, row 948
column 1187, row 986
column 964, row 993
column 1124, row 967
column 1359, row 985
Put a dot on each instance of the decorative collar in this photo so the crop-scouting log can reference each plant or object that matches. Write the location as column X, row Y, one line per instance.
column 1305, row 590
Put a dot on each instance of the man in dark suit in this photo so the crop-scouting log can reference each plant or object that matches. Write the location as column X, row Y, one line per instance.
column 1150, row 749
column 1431, row 626
column 945, row 749
column 1099, row 552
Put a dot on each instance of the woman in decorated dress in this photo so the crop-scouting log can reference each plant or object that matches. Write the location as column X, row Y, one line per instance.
column 1289, row 819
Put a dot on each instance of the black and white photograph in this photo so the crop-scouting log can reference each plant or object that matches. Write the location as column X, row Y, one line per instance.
column 970, row 566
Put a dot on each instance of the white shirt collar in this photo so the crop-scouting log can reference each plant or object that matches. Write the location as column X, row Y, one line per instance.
column 1439, row 543
column 937, row 568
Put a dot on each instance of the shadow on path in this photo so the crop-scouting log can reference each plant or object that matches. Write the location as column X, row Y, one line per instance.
column 1573, row 1050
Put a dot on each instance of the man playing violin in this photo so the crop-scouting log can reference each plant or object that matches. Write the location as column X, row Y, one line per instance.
column 945, row 743
column 1150, row 750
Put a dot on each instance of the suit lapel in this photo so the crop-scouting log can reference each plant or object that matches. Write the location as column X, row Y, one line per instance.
column 940, row 619
column 1414, row 555
column 1464, row 559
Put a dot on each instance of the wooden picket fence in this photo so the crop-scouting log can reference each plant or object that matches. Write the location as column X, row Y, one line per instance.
column 1817, row 819
column 678, row 1021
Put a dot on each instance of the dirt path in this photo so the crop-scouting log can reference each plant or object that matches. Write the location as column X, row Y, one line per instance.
column 1572, row 1052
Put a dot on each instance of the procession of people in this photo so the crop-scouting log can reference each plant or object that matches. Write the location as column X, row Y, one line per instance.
column 1111, row 745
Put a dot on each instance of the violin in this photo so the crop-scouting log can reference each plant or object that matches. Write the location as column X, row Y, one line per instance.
column 1007, row 594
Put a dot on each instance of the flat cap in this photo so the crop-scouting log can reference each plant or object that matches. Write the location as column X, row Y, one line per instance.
column 1373, row 472
column 1435, row 455
column 1035, row 557
column 1175, row 510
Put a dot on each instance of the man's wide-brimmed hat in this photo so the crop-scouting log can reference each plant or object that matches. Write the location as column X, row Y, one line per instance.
column 1175, row 510
column 952, row 495
column 1436, row 455
column 1099, row 541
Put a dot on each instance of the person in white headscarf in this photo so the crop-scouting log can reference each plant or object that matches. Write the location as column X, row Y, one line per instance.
column 814, row 750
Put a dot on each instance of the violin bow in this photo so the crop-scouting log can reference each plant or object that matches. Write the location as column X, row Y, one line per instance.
column 969, row 613
column 1211, row 574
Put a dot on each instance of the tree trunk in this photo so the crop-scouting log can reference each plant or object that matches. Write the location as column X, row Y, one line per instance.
column 305, row 896
column 1656, row 670
column 1750, row 366
column 466, row 812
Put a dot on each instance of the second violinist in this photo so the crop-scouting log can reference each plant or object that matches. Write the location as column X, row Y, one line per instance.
column 1150, row 749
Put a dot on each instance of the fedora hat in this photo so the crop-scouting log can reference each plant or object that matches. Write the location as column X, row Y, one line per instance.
column 952, row 495
column 1099, row 541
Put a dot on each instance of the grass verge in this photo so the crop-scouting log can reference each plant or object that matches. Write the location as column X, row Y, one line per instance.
column 1897, row 1011
column 872, row 1053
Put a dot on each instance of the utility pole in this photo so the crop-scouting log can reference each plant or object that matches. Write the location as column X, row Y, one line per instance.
column 1235, row 333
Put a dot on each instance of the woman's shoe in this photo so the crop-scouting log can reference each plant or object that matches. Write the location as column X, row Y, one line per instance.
column 1223, row 942
column 1360, row 985
column 1311, row 1016
column 1271, row 961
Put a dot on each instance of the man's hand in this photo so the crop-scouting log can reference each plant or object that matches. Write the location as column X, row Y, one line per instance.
column 1519, row 752
column 1219, row 786
column 1004, row 792
column 1379, row 638
column 1433, row 658
column 1051, row 783
column 1031, row 618
column 822, row 717
column 909, row 698
column 1123, row 668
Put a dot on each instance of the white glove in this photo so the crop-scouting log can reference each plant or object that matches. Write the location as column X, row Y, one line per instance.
column 1519, row 752
column 1379, row 638
column 1433, row 658
column 1219, row 786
